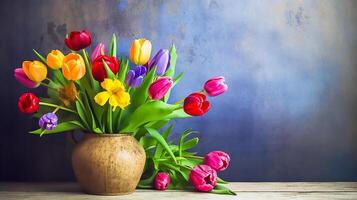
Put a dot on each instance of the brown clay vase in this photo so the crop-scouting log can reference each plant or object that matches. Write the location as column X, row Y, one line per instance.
column 108, row 164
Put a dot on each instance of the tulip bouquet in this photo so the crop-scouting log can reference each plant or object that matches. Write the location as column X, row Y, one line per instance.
column 104, row 94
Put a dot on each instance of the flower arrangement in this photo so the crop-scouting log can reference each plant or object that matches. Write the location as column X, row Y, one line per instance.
column 103, row 94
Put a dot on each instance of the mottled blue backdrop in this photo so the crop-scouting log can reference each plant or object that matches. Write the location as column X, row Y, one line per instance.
column 291, row 110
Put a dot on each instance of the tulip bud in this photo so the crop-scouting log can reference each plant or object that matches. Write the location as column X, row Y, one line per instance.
column 162, row 181
column 48, row 121
column 98, row 70
column 98, row 51
column 195, row 104
column 21, row 77
column 203, row 178
column 161, row 60
column 55, row 59
column 217, row 160
column 28, row 103
column 73, row 67
column 215, row 86
column 140, row 51
column 135, row 77
column 160, row 87
column 78, row 40
column 35, row 70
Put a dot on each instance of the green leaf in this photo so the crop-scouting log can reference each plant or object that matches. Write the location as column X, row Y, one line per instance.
column 61, row 127
column 155, row 134
column 113, row 46
column 150, row 111
column 171, row 71
column 43, row 59
column 89, row 75
column 173, row 57
column 178, row 78
column 110, row 119
column 180, row 113
column 190, row 144
column 109, row 72
column 89, row 113
column 220, row 189
column 219, row 180
column 140, row 94
column 81, row 113
column 124, row 66
column 184, row 135
column 148, row 142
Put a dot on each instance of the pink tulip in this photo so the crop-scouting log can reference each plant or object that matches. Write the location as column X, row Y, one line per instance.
column 21, row 77
column 160, row 87
column 99, row 50
column 162, row 181
column 203, row 178
column 215, row 86
column 217, row 160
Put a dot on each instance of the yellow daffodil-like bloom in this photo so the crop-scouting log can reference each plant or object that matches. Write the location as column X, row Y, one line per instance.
column 55, row 59
column 115, row 92
column 140, row 51
column 73, row 67
column 35, row 70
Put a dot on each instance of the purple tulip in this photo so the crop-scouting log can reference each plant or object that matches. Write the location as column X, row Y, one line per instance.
column 162, row 181
column 135, row 77
column 21, row 77
column 48, row 121
column 159, row 88
column 203, row 178
column 161, row 60
column 99, row 49
column 215, row 86
column 217, row 160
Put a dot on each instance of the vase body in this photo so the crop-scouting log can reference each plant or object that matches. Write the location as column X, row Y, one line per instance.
column 108, row 164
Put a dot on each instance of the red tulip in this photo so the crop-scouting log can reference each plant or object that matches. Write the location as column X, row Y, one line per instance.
column 215, row 86
column 162, row 181
column 28, row 103
column 159, row 88
column 203, row 178
column 78, row 40
column 98, row 69
column 195, row 104
column 217, row 160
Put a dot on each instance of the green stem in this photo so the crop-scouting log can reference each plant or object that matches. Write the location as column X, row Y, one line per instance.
column 119, row 120
column 48, row 86
column 180, row 101
column 56, row 106
column 56, row 110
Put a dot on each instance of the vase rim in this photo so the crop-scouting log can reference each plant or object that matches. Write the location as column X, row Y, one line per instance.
column 108, row 134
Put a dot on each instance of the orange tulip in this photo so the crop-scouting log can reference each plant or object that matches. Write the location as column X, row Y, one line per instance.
column 73, row 67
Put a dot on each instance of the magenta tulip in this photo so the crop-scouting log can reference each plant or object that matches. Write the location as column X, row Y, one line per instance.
column 215, row 86
column 99, row 50
column 217, row 160
column 21, row 77
column 203, row 178
column 160, row 87
column 162, row 181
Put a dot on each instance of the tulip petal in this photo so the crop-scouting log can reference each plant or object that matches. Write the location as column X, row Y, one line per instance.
column 101, row 98
column 145, row 52
column 135, row 52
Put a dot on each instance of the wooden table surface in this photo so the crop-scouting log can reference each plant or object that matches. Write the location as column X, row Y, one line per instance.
column 245, row 190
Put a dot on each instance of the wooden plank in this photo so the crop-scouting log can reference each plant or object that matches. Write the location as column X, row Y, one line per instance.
column 256, row 191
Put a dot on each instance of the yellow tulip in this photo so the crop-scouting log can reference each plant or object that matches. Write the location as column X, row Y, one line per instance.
column 115, row 92
column 73, row 67
column 140, row 51
column 35, row 70
column 55, row 59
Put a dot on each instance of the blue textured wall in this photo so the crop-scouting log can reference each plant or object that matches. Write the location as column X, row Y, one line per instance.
column 290, row 112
